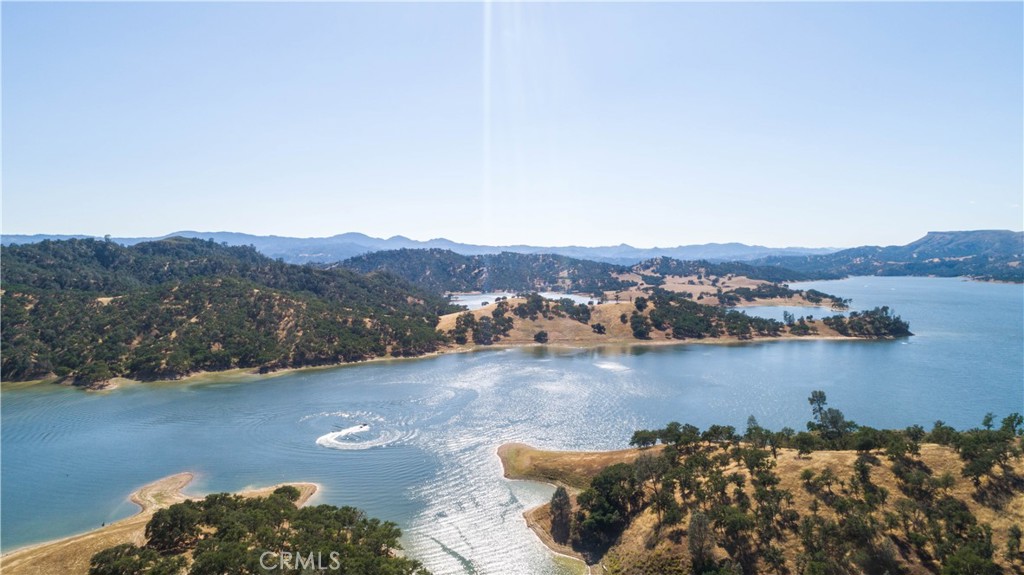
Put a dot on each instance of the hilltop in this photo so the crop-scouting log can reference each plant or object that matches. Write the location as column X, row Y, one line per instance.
column 447, row 271
column 839, row 498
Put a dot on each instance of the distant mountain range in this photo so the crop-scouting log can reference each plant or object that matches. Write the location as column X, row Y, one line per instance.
column 344, row 246
column 983, row 254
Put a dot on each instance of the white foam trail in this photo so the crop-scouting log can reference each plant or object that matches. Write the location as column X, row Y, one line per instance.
column 332, row 440
column 346, row 439
column 611, row 366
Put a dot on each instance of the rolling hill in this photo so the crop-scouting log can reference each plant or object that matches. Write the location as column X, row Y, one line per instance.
column 88, row 310
column 447, row 271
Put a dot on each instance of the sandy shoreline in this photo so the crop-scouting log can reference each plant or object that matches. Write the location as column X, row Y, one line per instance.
column 569, row 469
column 248, row 374
column 510, row 454
column 227, row 375
column 70, row 555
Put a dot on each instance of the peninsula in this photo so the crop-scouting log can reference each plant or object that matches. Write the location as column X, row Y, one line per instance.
column 71, row 555
column 837, row 498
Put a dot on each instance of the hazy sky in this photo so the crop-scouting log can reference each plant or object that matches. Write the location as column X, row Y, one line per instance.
column 589, row 124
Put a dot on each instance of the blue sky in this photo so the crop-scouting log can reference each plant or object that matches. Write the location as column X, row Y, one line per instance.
column 590, row 124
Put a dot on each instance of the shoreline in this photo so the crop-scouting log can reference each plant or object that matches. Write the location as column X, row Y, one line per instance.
column 71, row 554
column 523, row 462
column 532, row 522
column 227, row 375
column 252, row 373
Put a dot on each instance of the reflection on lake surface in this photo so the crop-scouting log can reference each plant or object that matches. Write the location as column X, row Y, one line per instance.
column 427, row 456
column 776, row 312
column 475, row 300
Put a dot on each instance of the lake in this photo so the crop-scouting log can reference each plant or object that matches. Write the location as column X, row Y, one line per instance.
column 427, row 457
column 475, row 300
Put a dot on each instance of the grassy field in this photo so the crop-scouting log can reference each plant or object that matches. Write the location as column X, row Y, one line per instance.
column 566, row 331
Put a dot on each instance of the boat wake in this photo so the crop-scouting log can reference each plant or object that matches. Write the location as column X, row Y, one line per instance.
column 611, row 366
column 364, row 435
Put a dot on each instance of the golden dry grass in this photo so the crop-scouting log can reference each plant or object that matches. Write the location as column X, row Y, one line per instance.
column 71, row 555
column 574, row 470
column 681, row 284
column 571, row 469
column 565, row 331
column 561, row 330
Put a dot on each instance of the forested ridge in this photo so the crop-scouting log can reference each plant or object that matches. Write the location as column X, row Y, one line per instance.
column 983, row 254
column 447, row 271
column 664, row 266
column 90, row 310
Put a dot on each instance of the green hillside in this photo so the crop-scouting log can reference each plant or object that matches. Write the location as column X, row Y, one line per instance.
column 90, row 310
column 447, row 271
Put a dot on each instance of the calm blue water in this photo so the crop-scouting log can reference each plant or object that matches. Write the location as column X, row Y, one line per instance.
column 776, row 312
column 70, row 458
column 475, row 300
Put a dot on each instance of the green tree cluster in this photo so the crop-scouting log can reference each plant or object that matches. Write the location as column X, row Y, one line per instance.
column 89, row 311
column 227, row 533
column 724, row 487
column 682, row 318
column 876, row 323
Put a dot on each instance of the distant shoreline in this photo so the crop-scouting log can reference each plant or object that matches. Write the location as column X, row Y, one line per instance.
column 250, row 373
column 522, row 337
column 70, row 555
